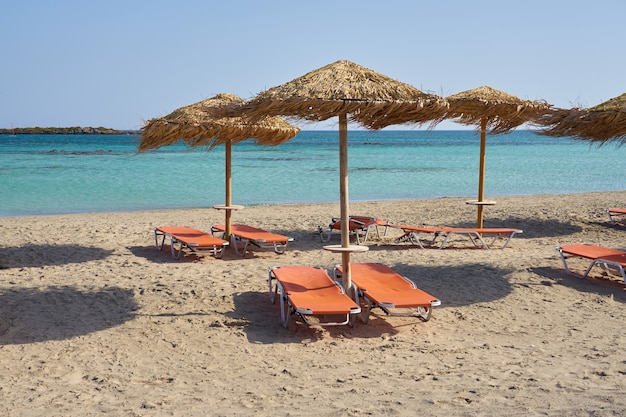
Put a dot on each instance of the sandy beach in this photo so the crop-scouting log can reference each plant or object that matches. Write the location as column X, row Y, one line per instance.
column 95, row 321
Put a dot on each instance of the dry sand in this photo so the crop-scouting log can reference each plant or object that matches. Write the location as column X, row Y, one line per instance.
column 95, row 321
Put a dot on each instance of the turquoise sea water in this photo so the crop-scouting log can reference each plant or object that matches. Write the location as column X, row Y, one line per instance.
column 54, row 174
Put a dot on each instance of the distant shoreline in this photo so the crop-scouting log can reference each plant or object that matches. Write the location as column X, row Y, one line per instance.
column 76, row 130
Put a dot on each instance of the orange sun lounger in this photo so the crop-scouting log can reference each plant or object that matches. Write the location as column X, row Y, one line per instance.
column 377, row 285
column 483, row 237
column 359, row 226
column 617, row 215
column 248, row 235
column 182, row 237
column 599, row 255
column 310, row 293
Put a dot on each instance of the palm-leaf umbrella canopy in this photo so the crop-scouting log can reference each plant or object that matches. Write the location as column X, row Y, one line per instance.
column 345, row 90
column 492, row 110
column 201, row 124
column 369, row 98
column 601, row 123
column 500, row 111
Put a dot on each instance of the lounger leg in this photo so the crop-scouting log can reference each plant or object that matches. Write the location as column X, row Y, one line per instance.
column 272, row 287
column 175, row 253
column 508, row 240
column 424, row 313
column 619, row 267
column 621, row 271
column 321, row 232
column 593, row 263
column 568, row 270
column 618, row 219
column 403, row 238
column 280, row 248
column 611, row 218
column 445, row 239
column 415, row 239
column 476, row 237
column 234, row 239
column 564, row 259
column 492, row 241
column 360, row 300
column 285, row 308
column 366, row 307
column 158, row 245
column 156, row 240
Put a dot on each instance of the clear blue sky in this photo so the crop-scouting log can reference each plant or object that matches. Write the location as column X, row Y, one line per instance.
column 117, row 63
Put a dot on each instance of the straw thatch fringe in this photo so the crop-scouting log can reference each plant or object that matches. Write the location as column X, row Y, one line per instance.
column 604, row 126
column 501, row 111
column 202, row 124
column 603, row 123
column 376, row 117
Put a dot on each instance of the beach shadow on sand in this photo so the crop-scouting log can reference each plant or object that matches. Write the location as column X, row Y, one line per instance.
column 263, row 323
column 593, row 284
column 49, row 255
column 30, row 315
column 459, row 284
column 163, row 256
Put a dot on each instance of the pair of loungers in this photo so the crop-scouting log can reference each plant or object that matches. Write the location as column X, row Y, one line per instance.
column 310, row 293
column 194, row 240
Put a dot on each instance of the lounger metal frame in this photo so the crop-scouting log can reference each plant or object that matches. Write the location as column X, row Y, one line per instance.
column 480, row 238
column 361, row 233
column 361, row 298
column 617, row 216
column 601, row 261
column 287, row 309
column 238, row 240
column 215, row 250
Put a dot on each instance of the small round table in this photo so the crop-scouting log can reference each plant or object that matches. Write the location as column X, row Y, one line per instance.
column 228, row 208
column 351, row 248
column 481, row 203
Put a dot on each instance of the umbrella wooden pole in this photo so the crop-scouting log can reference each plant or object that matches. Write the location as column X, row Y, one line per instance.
column 229, row 186
column 481, row 172
column 343, row 191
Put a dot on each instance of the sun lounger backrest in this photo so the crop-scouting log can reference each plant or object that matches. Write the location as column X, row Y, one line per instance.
column 373, row 275
column 313, row 289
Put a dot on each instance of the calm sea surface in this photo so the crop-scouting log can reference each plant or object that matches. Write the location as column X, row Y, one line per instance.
column 54, row 174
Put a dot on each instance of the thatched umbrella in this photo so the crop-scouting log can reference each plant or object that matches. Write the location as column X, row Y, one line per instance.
column 345, row 90
column 601, row 123
column 497, row 111
column 200, row 124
